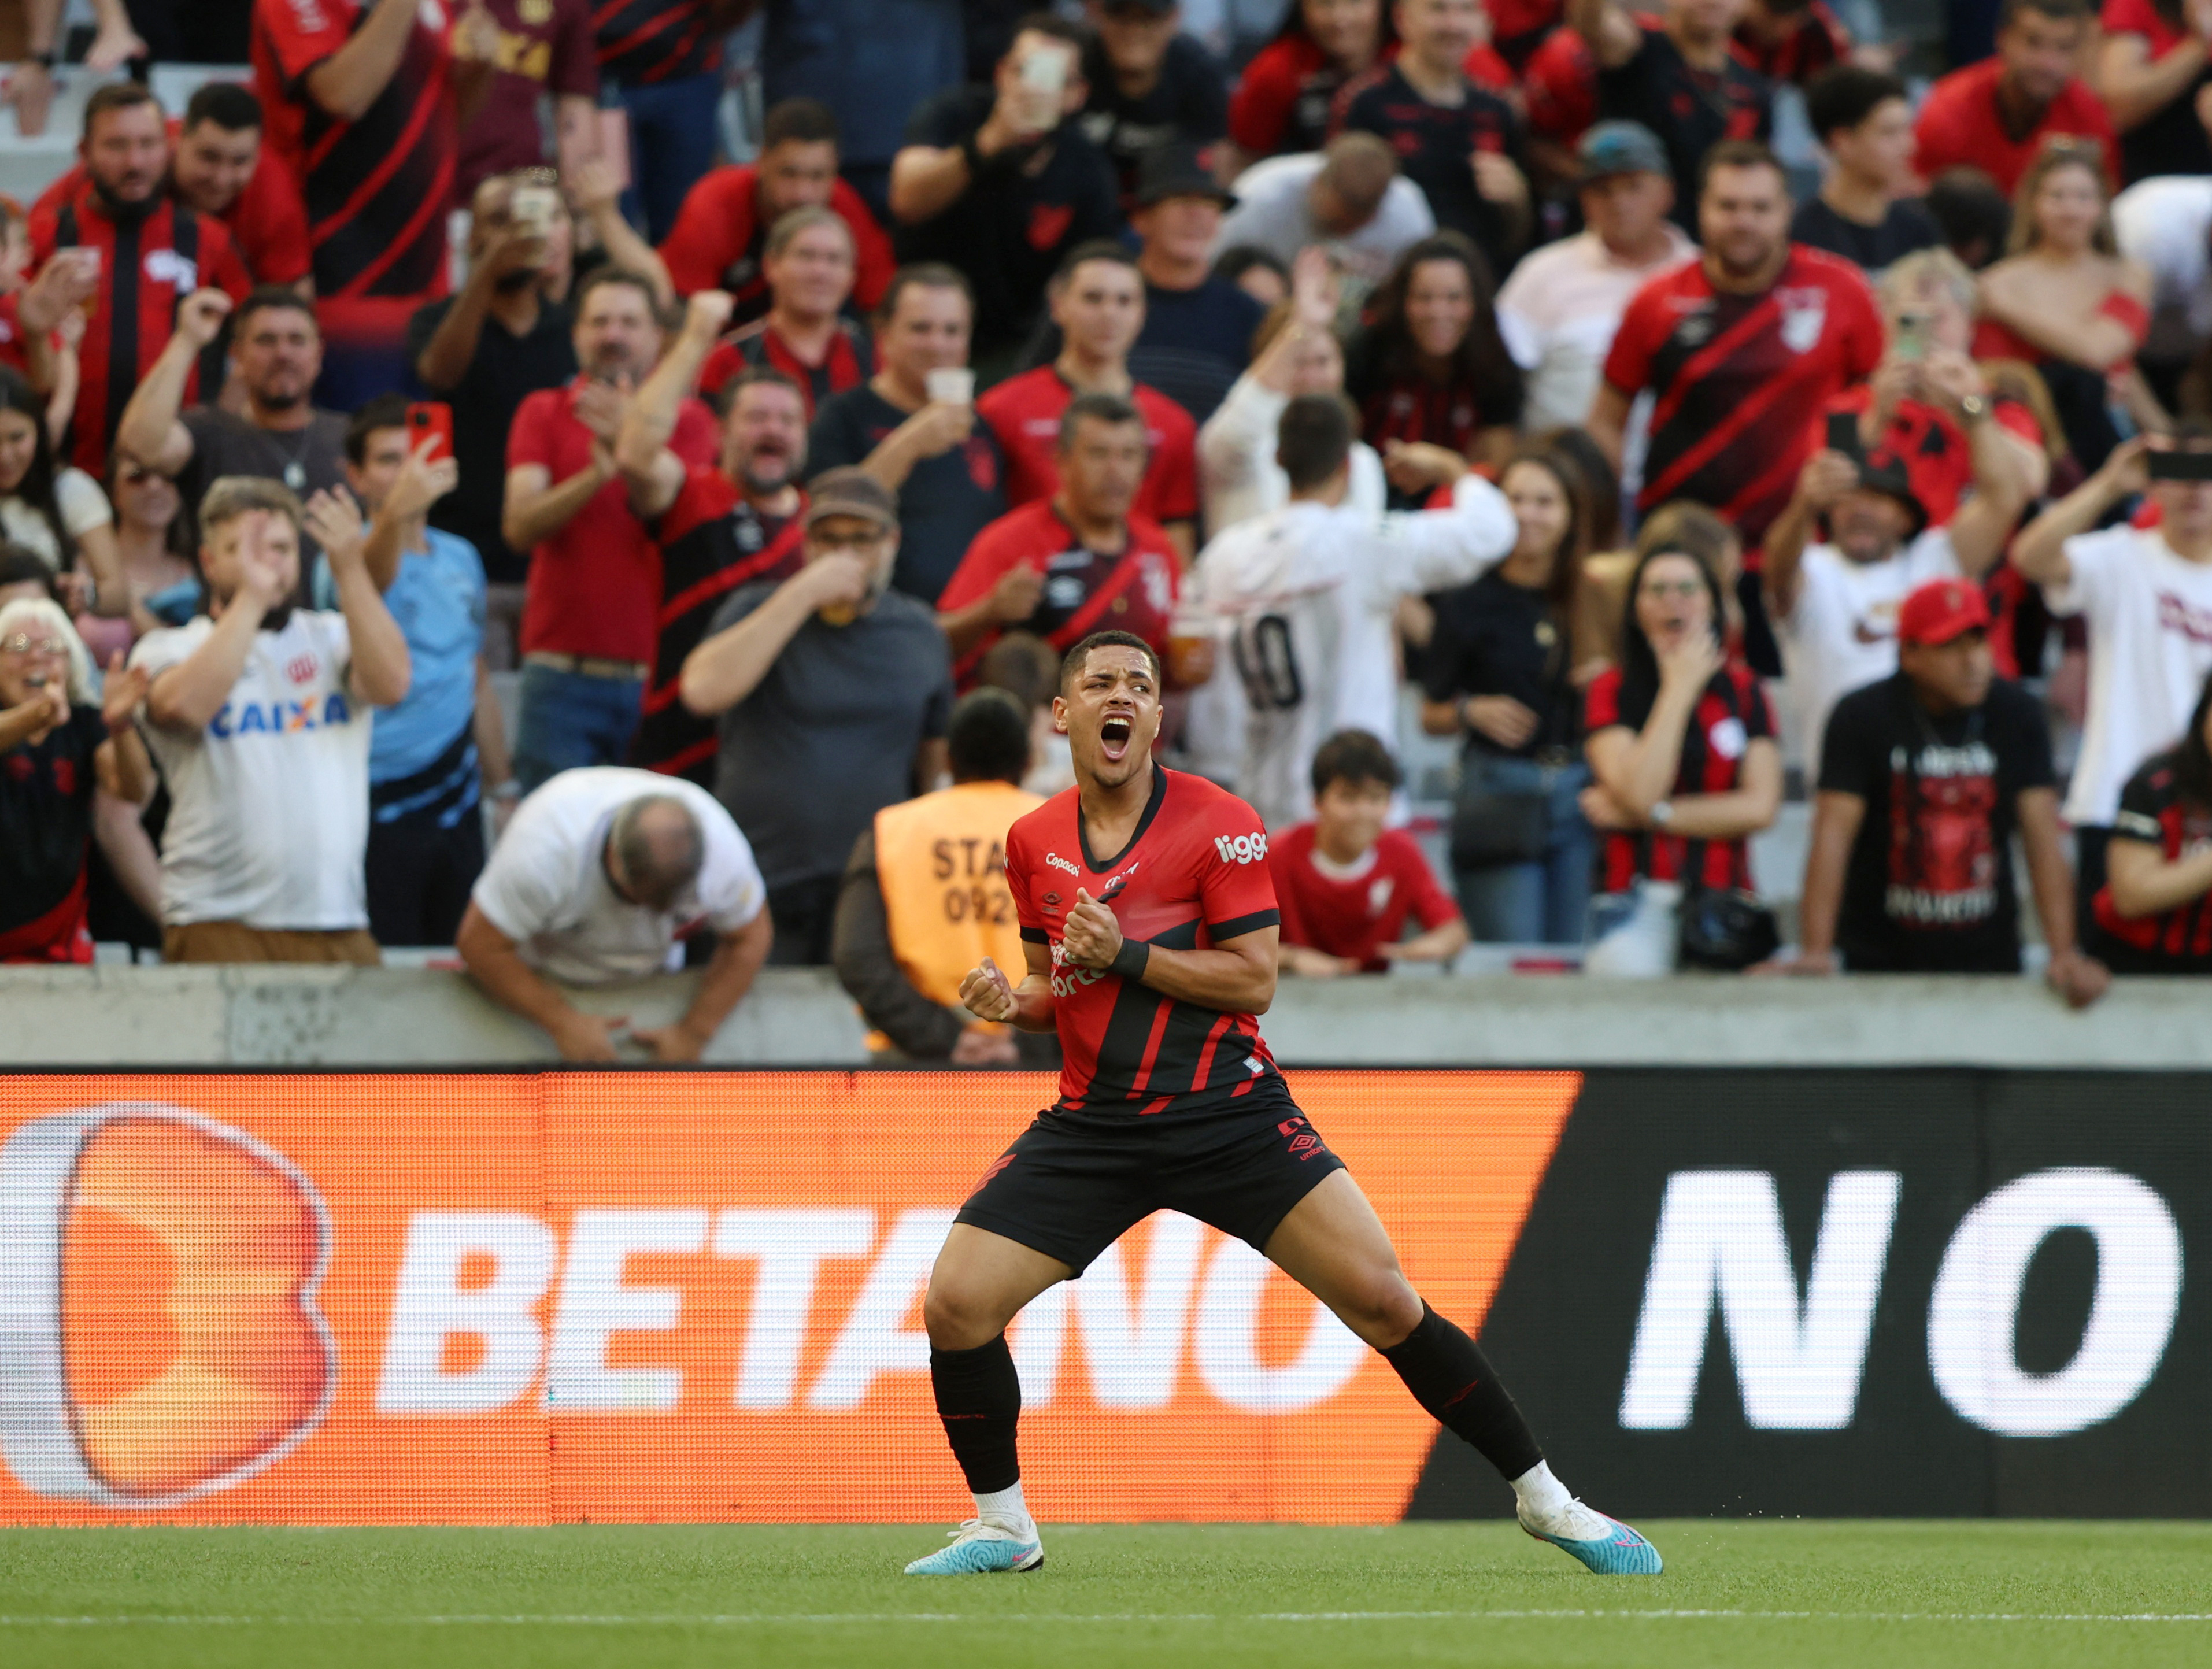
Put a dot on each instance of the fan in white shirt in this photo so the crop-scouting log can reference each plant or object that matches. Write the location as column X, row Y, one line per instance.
column 257, row 715
column 2146, row 596
column 599, row 879
column 1306, row 595
column 1834, row 605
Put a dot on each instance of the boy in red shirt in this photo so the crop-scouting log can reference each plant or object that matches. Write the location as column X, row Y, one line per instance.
column 1345, row 884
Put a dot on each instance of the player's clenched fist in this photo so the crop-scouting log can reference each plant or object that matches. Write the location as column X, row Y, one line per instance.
column 987, row 994
column 1093, row 937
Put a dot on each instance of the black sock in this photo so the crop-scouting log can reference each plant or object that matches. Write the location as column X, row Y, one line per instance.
column 1450, row 1377
column 979, row 1397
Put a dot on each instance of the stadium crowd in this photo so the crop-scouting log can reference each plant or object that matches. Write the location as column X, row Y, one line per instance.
column 1416, row 371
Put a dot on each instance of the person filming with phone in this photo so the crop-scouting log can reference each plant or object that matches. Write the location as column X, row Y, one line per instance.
column 998, row 182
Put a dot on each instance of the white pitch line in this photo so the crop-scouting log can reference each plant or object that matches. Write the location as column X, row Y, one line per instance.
column 865, row 1619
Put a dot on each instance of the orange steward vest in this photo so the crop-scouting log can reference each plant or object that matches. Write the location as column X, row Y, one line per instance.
column 941, row 860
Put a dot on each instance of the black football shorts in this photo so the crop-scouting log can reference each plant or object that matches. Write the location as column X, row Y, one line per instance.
column 1072, row 1184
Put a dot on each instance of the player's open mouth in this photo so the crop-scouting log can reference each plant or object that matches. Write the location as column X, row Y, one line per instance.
column 1114, row 739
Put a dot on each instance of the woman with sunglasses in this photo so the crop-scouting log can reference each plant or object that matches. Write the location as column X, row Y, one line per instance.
column 158, row 577
column 62, row 751
column 1679, row 739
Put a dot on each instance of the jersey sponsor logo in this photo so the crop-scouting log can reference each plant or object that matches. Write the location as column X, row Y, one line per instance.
column 276, row 718
column 309, row 16
column 166, row 266
column 1053, row 860
column 1804, row 313
column 2177, row 615
column 1066, row 977
column 1241, row 848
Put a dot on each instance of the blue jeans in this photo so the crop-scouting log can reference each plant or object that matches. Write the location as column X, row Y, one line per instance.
column 671, row 143
column 566, row 719
column 1542, row 901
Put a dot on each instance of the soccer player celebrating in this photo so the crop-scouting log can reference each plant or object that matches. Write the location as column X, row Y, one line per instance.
column 1152, row 962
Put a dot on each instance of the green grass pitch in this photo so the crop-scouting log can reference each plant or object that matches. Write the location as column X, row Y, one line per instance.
column 1778, row 1595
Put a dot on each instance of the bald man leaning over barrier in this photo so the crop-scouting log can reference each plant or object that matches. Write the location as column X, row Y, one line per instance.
column 599, row 880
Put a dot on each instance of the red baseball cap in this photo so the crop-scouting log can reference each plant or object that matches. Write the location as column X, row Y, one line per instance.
column 1941, row 610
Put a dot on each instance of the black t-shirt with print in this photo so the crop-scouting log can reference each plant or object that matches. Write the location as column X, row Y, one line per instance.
column 2155, row 811
column 1495, row 637
column 1189, row 104
column 1905, row 227
column 1690, row 110
column 946, row 501
column 1008, row 230
column 46, row 817
column 1928, row 889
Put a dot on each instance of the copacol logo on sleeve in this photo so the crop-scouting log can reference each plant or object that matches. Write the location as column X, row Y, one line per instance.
column 159, row 1337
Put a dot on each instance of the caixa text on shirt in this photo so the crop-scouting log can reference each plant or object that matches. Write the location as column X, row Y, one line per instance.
column 241, row 719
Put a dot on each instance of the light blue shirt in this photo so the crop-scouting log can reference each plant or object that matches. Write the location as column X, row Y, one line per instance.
column 439, row 601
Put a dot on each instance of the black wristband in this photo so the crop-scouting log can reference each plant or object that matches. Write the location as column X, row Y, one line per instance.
column 1131, row 959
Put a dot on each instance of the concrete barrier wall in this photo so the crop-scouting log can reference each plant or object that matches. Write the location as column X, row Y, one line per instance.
column 261, row 1015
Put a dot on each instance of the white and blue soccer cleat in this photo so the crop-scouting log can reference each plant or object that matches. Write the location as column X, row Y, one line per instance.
column 980, row 1548
column 1607, row 1545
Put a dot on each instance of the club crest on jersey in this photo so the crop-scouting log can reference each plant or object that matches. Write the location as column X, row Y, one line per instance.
column 1241, row 848
column 1804, row 311
column 301, row 669
column 166, row 266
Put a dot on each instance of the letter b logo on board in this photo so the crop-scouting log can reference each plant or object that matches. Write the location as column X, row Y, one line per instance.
column 159, row 1337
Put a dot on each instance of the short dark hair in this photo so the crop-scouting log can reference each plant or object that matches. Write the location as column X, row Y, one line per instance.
column 1098, row 408
column 270, row 297
column 1234, row 262
column 1313, row 439
column 2058, row 11
column 924, row 274
column 231, row 107
column 19, row 565
column 807, row 121
column 1354, row 756
column 1049, row 24
column 1740, row 154
column 600, row 278
column 1973, row 212
column 1072, row 664
column 385, row 411
column 1023, row 664
column 988, row 737
column 1845, row 94
column 116, row 95
column 754, row 376
column 1093, row 249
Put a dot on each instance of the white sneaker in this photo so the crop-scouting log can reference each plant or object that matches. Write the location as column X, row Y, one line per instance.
column 981, row 1547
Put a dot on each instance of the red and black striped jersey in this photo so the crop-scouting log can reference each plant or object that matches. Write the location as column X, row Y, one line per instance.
column 1816, row 41
column 1731, row 715
column 711, row 542
column 849, row 362
column 2153, row 810
column 376, row 188
column 655, row 40
column 1738, row 379
column 148, row 264
column 1194, row 874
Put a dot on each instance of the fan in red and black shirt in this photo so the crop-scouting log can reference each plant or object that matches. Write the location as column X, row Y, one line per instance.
column 362, row 106
column 718, row 237
column 1791, row 40
column 1098, row 302
column 663, row 58
column 1078, row 562
column 804, row 333
column 1463, row 144
column 1281, row 103
column 1679, row 76
column 219, row 168
column 718, row 528
column 1680, row 740
column 1149, row 930
column 2154, row 913
column 1995, row 115
column 153, row 253
column 1739, row 350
